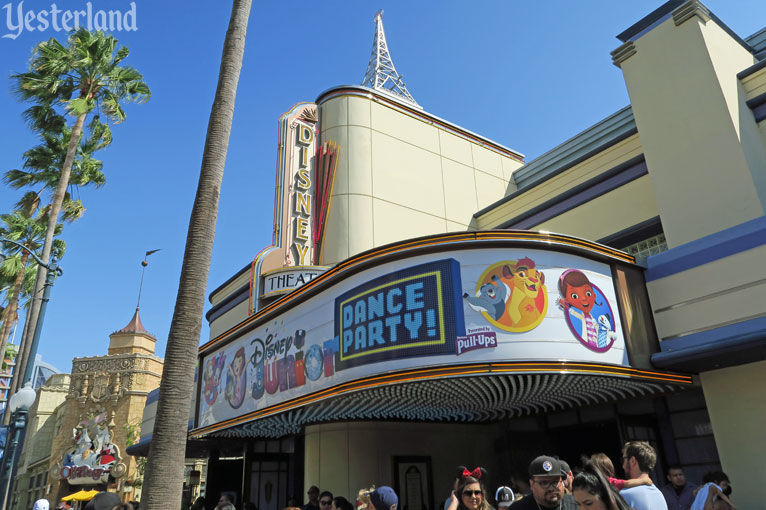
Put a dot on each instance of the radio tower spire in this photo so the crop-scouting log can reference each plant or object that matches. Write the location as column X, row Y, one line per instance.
column 381, row 74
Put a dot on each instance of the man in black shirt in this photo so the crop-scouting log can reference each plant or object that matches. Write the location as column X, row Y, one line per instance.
column 313, row 495
column 547, row 487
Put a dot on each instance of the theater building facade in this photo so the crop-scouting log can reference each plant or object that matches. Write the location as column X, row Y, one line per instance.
column 429, row 299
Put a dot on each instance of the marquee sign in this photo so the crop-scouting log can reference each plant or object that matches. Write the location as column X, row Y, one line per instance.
column 282, row 281
column 451, row 307
column 305, row 173
column 413, row 311
column 93, row 456
column 303, row 191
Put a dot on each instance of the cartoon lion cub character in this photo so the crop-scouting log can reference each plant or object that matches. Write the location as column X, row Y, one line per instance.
column 527, row 299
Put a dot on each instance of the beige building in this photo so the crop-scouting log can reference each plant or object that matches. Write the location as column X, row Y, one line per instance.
column 31, row 482
column 82, row 423
column 663, row 201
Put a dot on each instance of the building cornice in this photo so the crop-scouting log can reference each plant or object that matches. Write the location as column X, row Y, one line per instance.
column 680, row 11
column 393, row 102
column 604, row 134
column 689, row 10
column 623, row 53
column 128, row 355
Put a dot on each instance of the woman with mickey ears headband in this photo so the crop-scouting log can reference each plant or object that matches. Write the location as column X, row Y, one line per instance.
column 469, row 493
column 458, row 476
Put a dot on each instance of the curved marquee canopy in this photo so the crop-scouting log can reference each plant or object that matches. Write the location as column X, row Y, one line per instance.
column 498, row 392
column 474, row 326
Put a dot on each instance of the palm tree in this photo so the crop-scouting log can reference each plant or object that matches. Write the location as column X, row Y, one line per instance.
column 42, row 164
column 82, row 77
column 28, row 231
column 165, row 468
column 41, row 168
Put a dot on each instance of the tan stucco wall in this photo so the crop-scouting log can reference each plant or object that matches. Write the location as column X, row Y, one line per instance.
column 42, row 425
column 611, row 212
column 346, row 457
column 726, row 290
column 400, row 176
column 42, row 418
column 229, row 319
column 229, row 288
column 699, row 137
column 592, row 167
column 734, row 399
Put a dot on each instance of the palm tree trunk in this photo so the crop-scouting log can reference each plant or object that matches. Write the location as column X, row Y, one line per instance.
column 163, row 482
column 42, row 272
column 9, row 315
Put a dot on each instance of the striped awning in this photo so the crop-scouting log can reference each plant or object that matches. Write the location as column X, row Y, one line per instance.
column 498, row 392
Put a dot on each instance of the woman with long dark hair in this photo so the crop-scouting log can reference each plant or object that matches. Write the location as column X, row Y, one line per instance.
column 341, row 503
column 592, row 491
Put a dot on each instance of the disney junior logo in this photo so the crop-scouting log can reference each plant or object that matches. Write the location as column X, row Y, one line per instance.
column 18, row 19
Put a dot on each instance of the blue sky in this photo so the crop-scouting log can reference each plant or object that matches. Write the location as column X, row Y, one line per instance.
column 528, row 75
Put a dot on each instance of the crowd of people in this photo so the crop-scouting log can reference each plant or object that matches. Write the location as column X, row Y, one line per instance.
column 554, row 486
column 551, row 485
column 101, row 501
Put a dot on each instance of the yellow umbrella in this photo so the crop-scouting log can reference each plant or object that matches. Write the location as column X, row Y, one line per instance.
column 81, row 495
column 86, row 496
column 76, row 496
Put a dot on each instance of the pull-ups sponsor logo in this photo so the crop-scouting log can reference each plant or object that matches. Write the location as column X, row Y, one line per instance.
column 411, row 312
column 476, row 338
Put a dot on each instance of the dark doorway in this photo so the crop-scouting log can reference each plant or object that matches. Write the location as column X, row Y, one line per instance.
column 571, row 443
column 224, row 476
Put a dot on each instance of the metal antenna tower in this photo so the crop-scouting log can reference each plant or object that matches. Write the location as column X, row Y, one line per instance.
column 381, row 74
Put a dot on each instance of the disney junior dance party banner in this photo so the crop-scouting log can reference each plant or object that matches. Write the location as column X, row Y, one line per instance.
column 452, row 307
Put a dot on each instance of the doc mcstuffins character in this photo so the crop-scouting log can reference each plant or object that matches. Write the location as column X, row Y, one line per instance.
column 236, row 380
column 212, row 377
column 580, row 299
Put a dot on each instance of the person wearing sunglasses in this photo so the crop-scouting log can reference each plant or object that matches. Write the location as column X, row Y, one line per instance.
column 469, row 493
column 547, row 487
column 325, row 500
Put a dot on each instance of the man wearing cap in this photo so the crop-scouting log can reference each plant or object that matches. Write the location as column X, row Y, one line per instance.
column 638, row 458
column 384, row 498
column 504, row 497
column 547, row 487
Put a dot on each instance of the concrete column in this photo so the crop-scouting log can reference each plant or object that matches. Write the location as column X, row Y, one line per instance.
column 702, row 145
column 739, row 434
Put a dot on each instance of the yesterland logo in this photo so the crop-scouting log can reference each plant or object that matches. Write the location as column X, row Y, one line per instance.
column 19, row 19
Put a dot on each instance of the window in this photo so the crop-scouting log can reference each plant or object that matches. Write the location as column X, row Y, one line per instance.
column 651, row 246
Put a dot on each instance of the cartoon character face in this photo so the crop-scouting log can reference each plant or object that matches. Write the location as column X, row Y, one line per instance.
column 238, row 364
column 583, row 298
column 490, row 298
column 528, row 280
